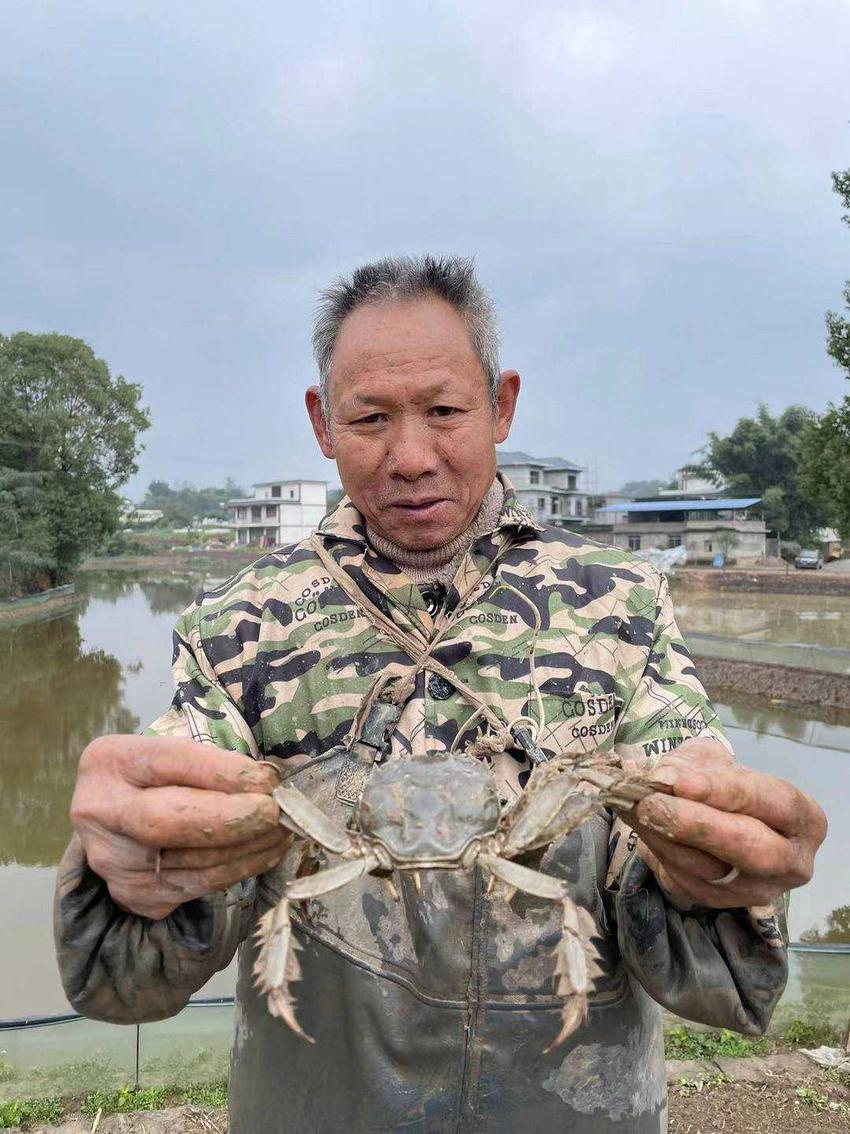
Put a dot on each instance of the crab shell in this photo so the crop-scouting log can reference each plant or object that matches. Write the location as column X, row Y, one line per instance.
column 427, row 811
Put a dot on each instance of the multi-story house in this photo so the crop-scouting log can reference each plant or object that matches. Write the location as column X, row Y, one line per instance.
column 549, row 487
column 280, row 511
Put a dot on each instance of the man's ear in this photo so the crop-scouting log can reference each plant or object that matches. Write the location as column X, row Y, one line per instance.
column 321, row 429
column 509, row 384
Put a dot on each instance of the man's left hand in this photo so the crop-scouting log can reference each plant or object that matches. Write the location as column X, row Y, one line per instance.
column 722, row 815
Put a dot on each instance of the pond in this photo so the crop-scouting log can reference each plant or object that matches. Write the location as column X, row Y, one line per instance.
column 106, row 668
column 814, row 620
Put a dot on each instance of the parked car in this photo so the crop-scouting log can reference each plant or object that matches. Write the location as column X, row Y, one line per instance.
column 809, row 558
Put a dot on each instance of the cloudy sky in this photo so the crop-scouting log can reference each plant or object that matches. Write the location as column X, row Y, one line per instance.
column 645, row 188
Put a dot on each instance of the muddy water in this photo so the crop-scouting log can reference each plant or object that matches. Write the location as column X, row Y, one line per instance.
column 106, row 668
column 816, row 620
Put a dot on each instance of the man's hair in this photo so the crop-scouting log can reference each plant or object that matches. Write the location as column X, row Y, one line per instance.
column 401, row 278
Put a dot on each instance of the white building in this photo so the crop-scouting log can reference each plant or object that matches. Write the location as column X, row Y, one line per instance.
column 280, row 511
column 548, row 487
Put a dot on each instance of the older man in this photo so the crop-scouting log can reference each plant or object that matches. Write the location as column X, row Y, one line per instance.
column 431, row 1012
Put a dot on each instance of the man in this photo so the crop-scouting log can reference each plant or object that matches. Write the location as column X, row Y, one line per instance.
column 430, row 1012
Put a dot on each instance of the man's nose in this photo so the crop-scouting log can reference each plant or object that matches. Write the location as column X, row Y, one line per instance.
column 412, row 453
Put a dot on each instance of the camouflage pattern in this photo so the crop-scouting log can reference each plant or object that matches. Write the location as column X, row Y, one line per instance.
column 431, row 1013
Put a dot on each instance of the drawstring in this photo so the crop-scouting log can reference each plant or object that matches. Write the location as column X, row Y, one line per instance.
column 397, row 684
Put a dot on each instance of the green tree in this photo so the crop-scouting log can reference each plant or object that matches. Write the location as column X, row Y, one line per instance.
column 760, row 457
column 67, row 418
column 184, row 503
column 25, row 547
column 825, row 456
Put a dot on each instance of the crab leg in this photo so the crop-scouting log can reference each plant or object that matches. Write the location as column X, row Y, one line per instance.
column 309, row 821
column 575, row 967
column 277, row 966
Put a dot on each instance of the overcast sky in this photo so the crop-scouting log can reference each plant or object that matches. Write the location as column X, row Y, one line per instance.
column 645, row 188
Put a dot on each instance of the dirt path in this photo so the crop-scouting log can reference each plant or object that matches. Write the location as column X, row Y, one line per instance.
column 758, row 1095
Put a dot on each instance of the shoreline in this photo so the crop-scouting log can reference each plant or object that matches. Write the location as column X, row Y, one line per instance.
column 813, row 689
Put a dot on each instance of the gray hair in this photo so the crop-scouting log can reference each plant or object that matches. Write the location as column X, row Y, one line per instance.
column 451, row 278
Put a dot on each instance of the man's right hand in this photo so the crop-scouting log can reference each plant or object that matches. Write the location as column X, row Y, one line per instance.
column 207, row 813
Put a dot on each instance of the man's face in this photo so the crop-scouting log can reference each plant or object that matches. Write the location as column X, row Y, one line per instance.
column 412, row 427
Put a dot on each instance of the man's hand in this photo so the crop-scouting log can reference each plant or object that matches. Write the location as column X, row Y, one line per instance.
column 720, row 816
column 164, row 820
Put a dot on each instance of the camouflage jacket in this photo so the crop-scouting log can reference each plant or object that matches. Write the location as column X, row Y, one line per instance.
column 431, row 1013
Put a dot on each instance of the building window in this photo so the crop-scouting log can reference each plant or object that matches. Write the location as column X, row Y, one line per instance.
column 579, row 508
column 674, row 541
column 707, row 545
column 256, row 513
column 634, row 543
column 276, row 490
column 534, row 476
column 271, row 511
column 571, row 482
column 554, row 505
column 541, row 503
column 292, row 494
column 241, row 513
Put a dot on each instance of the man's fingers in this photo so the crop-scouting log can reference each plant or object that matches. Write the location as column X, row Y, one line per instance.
column 687, row 860
column 775, row 802
column 160, row 761
column 189, row 884
column 188, row 817
column 203, row 858
column 157, row 896
column 739, row 840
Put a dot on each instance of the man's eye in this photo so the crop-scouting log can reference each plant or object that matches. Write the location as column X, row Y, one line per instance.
column 445, row 411
column 369, row 419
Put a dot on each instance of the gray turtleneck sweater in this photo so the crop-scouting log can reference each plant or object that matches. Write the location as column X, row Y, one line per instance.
column 439, row 564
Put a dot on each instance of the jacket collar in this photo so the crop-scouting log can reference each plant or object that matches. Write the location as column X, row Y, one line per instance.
column 346, row 523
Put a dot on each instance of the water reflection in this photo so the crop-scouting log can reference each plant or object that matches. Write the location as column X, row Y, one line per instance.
column 57, row 696
column 818, row 620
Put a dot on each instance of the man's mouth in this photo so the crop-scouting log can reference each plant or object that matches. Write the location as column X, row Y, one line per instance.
column 419, row 507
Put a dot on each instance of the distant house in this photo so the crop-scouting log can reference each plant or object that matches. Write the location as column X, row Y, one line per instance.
column 692, row 484
column 280, row 511
column 703, row 527
column 548, row 487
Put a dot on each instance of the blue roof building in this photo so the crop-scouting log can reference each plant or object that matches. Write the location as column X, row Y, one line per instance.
column 731, row 525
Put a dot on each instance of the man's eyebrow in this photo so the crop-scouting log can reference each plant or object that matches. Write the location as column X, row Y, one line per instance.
column 437, row 389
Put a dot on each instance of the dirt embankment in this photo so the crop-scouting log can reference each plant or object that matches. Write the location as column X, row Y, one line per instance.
column 730, row 680
column 761, row 580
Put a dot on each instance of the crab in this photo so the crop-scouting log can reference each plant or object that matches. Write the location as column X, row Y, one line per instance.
column 441, row 811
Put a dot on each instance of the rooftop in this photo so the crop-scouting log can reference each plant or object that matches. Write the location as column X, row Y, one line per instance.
column 729, row 504
column 507, row 457
column 297, row 480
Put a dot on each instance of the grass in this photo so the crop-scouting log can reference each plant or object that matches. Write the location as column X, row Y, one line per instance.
column 819, row 1103
column 25, row 1112
column 686, row 1043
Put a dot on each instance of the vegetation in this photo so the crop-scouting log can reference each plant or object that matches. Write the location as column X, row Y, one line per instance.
column 26, row 1112
column 761, row 457
column 686, row 1043
column 837, row 930
column 181, row 504
column 645, row 487
column 69, row 441
column 825, row 452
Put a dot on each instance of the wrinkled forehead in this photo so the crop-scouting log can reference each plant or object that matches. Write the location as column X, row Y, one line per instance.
column 398, row 338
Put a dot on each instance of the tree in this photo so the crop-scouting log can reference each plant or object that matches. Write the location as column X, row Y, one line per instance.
column 182, row 504
column 825, row 465
column 645, row 487
column 760, row 457
column 25, row 547
column 66, row 418
column 825, row 456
